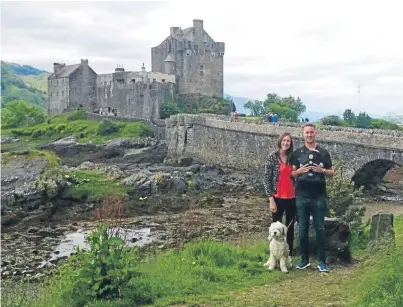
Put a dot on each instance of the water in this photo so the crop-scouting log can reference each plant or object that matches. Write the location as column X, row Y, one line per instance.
column 68, row 245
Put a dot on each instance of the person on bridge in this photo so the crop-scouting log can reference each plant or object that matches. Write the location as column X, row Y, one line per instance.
column 310, row 166
column 236, row 116
column 279, row 186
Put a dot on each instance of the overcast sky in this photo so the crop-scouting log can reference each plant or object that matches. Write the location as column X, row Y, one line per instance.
column 318, row 50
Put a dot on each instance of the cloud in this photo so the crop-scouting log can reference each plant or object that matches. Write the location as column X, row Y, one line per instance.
column 318, row 50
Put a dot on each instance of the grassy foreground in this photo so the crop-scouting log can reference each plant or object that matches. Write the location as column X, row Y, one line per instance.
column 211, row 273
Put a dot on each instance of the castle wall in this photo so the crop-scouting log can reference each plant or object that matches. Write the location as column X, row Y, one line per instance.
column 82, row 88
column 58, row 95
column 131, row 97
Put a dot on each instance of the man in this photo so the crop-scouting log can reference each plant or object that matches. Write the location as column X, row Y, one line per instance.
column 311, row 165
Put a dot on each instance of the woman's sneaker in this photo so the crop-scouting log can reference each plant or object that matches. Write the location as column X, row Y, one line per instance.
column 304, row 263
column 322, row 267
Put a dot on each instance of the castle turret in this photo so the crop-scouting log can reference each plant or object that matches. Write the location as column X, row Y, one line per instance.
column 169, row 64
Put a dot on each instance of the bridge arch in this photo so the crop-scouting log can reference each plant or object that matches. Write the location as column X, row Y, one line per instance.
column 371, row 173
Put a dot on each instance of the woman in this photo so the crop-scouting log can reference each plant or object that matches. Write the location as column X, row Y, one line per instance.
column 280, row 187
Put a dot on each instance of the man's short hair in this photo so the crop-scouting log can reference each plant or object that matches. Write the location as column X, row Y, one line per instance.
column 309, row 125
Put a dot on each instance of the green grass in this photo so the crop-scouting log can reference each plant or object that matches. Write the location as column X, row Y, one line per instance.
column 50, row 156
column 39, row 82
column 209, row 273
column 379, row 282
column 93, row 185
column 200, row 272
column 84, row 129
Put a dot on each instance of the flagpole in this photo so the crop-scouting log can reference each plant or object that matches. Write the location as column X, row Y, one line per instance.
column 359, row 97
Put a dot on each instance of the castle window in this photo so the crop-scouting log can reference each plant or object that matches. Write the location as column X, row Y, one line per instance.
column 62, row 93
column 189, row 45
column 169, row 47
column 201, row 72
column 201, row 67
column 110, row 82
column 104, row 83
column 51, row 94
column 196, row 48
column 57, row 94
column 57, row 82
column 163, row 80
column 154, row 80
column 134, row 80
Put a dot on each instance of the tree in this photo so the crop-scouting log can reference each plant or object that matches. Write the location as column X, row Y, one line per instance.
column 168, row 108
column 349, row 116
column 256, row 107
column 294, row 104
column 363, row 120
column 19, row 113
column 284, row 112
column 332, row 120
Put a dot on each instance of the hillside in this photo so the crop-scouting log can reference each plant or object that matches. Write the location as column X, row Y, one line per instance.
column 30, row 86
column 24, row 70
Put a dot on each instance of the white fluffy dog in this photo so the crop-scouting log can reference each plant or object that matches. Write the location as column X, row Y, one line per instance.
column 279, row 249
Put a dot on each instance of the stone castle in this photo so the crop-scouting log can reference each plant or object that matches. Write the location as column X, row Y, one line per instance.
column 188, row 61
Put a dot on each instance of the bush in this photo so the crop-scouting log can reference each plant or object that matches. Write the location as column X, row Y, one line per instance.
column 18, row 114
column 332, row 120
column 169, row 108
column 77, row 115
column 105, row 270
column 342, row 196
column 107, row 127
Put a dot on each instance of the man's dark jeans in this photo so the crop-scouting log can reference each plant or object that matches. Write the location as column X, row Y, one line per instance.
column 317, row 207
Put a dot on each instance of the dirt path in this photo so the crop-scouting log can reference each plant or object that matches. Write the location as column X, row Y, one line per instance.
column 307, row 288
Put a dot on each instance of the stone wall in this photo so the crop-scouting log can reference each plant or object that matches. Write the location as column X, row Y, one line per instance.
column 139, row 100
column 215, row 139
column 58, row 95
column 82, row 88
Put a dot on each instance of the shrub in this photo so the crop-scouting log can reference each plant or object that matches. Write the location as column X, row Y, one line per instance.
column 343, row 196
column 332, row 120
column 77, row 115
column 19, row 114
column 105, row 269
column 107, row 127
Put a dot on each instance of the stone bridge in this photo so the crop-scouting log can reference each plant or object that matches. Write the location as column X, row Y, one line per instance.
column 368, row 153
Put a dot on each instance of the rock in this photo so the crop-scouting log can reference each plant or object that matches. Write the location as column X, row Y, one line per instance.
column 111, row 171
column 337, row 234
column 382, row 227
column 7, row 139
column 185, row 161
column 32, row 230
column 24, row 183
column 178, row 185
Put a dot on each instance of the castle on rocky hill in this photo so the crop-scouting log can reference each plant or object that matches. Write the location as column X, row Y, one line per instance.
column 188, row 61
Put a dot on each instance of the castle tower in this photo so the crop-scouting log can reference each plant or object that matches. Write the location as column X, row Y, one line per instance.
column 195, row 58
column 169, row 64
